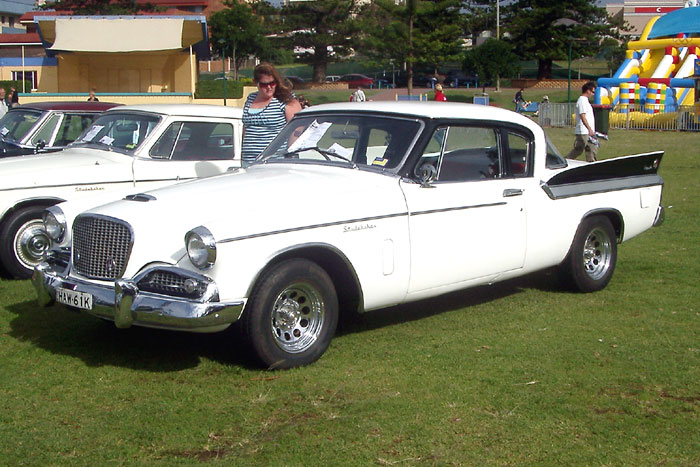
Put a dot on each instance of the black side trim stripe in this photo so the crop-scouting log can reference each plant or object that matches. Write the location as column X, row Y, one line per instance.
column 458, row 208
column 314, row 226
column 98, row 184
column 603, row 186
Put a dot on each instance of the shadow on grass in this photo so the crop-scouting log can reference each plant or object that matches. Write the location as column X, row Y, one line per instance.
column 100, row 343
column 352, row 322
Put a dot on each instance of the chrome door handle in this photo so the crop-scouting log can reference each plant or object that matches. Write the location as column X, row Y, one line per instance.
column 508, row 192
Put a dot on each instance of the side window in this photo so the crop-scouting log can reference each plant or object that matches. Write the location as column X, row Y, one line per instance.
column 469, row 153
column 72, row 126
column 518, row 151
column 164, row 146
column 46, row 131
column 195, row 141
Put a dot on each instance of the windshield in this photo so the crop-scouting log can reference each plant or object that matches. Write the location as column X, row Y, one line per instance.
column 16, row 124
column 358, row 140
column 125, row 131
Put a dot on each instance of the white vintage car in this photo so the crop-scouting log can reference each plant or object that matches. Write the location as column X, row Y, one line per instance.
column 127, row 148
column 352, row 207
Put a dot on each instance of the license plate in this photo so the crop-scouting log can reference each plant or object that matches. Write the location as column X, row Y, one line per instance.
column 73, row 298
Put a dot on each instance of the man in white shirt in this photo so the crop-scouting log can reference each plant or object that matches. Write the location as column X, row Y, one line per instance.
column 3, row 104
column 359, row 95
column 585, row 126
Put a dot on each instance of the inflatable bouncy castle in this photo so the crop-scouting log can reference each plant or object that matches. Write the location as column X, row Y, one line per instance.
column 654, row 78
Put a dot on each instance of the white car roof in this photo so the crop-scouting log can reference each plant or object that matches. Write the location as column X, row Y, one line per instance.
column 190, row 110
column 430, row 109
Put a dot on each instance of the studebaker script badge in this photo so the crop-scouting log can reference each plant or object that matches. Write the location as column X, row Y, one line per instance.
column 355, row 228
column 89, row 188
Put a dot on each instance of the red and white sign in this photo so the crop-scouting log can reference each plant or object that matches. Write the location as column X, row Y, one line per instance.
column 656, row 9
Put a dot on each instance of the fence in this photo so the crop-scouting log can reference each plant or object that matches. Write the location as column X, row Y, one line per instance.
column 632, row 117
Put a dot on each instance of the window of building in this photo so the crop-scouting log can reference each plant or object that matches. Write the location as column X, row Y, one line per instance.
column 30, row 76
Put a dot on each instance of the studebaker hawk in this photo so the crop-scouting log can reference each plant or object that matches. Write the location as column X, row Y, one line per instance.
column 352, row 207
column 138, row 147
column 46, row 126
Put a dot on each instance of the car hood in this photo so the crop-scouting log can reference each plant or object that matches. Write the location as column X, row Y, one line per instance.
column 257, row 201
column 70, row 166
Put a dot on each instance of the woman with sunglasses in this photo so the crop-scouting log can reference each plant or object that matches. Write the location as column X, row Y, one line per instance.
column 266, row 111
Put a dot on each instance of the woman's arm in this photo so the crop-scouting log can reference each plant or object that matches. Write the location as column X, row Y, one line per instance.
column 291, row 109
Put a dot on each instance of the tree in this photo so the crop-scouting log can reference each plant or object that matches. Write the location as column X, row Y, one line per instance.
column 100, row 7
column 491, row 60
column 545, row 29
column 417, row 32
column 322, row 31
column 614, row 53
column 237, row 31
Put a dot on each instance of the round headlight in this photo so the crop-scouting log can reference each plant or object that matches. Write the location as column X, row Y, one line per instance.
column 55, row 223
column 201, row 247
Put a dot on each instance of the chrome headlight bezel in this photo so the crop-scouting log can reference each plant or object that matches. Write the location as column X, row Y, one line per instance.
column 55, row 223
column 201, row 247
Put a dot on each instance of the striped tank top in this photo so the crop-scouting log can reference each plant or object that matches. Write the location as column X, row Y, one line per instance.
column 261, row 126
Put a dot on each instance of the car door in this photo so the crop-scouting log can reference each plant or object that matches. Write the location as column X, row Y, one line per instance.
column 190, row 149
column 467, row 219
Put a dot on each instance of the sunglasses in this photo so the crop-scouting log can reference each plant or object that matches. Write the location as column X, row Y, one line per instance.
column 268, row 84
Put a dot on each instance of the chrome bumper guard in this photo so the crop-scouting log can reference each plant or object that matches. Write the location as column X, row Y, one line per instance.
column 126, row 305
column 660, row 216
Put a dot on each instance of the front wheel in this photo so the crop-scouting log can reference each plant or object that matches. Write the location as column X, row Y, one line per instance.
column 23, row 242
column 591, row 260
column 292, row 314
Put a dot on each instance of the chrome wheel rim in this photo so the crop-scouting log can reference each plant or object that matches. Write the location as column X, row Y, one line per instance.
column 297, row 317
column 597, row 253
column 31, row 242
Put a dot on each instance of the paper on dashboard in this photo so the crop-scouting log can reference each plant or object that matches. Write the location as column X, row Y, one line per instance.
column 310, row 137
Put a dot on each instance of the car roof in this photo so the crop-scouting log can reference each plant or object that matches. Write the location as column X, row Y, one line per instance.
column 430, row 109
column 70, row 106
column 190, row 110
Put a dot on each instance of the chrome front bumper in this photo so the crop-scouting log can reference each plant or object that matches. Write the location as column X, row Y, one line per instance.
column 126, row 305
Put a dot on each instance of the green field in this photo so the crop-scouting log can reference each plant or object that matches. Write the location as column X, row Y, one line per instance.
column 516, row 373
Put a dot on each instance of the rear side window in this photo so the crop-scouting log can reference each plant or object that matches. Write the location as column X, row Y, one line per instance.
column 518, row 152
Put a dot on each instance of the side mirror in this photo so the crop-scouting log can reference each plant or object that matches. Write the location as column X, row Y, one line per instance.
column 426, row 173
column 41, row 144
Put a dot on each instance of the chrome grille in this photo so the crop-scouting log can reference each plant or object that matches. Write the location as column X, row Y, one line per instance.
column 166, row 282
column 170, row 283
column 101, row 246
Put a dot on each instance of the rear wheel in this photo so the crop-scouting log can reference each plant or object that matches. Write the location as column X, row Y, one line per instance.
column 292, row 314
column 593, row 254
column 23, row 242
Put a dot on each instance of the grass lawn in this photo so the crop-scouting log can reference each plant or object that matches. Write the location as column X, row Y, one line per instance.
column 502, row 98
column 519, row 372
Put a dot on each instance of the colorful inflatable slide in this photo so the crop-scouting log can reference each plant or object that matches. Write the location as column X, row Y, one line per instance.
column 654, row 75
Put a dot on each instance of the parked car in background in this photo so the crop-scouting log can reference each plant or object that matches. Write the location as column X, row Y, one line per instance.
column 295, row 81
column 427, row 80
column 126, row 148
column 355, row 80
column 46, row 126
column 356, row 207
column 459, row 78
column 332, row 78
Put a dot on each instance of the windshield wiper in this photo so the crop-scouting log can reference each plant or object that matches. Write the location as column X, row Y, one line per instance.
column 324, row 152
